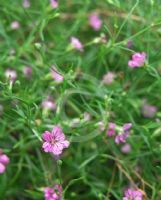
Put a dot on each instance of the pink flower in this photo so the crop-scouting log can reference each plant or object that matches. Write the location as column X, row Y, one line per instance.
column 127, row 126
column 109, row 78
column 95, row 22
column 133, row 195
column 55, row 142
column 11, row 74
column 120, row 133
column 15, row 25
column 49, row 104
column 149, row 111
column 121, row 137
column 27, row 71
column 54, row 193
column 26, row 3
column 138, row 60
column 54, row 3
column 111, row 129
column 4, row 160
column 126, row 148
column 56, row 76
column 75, row 42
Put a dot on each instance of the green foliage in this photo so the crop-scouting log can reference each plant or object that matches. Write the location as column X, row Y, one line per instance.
column 93, row 167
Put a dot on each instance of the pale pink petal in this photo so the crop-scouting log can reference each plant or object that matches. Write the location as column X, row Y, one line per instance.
column 65, row 143
column 2, row 168
column 127, row 126
column 47, row 136
column 4, row 159
column 47, row 147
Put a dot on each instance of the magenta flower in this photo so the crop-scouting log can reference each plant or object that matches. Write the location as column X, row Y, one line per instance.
column 15, row 25
column 123, row 133
column 109, row 78
column 75, row 42
column 11, row 75
column 56, row 76
column 127, row 126
column 49, row 104
column 111, row 129
column 26, row 3
column 95, row 22
column 120, row 133
column 55, row 142
column 138, row 60
column 126, row 148
column 4, row 160
column 54, row 3
column 54, row 193
column 149, row 111
column 133, row 195
column 27, row 71
column 121, row 138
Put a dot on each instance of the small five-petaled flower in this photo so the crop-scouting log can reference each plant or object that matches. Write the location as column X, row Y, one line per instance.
column 55, row 141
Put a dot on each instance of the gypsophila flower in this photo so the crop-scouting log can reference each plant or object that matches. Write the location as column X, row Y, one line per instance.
column 126, row 148
column 75, row 42
column 133, row 195
column 27, row 71
column 56, row 75
column 54, row 193
column 138, row 60
column 111, row 129
column 26, row 3
column 4, row 160
column 49, row 104
column 54, row 3
column 11, row 74
column 108, row 78
column 149, row 111
column 15, row 25
column 120, row 133
column 95, row 22
column 55, row 141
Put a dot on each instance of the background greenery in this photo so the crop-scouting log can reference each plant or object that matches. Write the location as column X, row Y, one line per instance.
column 93, row 167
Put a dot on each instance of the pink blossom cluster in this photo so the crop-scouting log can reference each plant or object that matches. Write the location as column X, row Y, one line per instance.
column 133, row 195
column 138, row 60
column 4, row 160
column 54, row 193
column 120, row 133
